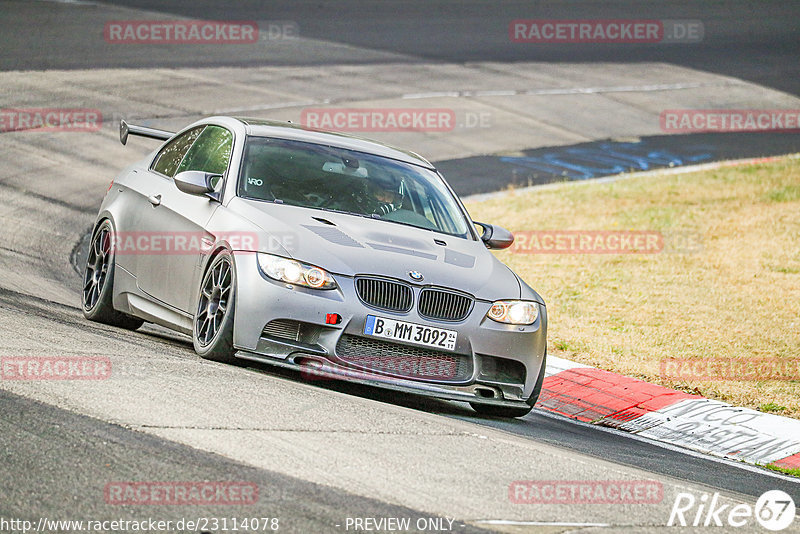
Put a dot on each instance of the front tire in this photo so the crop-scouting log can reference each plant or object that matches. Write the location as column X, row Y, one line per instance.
column 98, row 282
column 212, row 332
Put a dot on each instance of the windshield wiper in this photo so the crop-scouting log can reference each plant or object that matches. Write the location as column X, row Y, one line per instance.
column 340, row 211
column 434, row 230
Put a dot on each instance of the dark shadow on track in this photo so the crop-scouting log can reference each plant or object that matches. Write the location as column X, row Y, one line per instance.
column 584, row 161
column 753, row 40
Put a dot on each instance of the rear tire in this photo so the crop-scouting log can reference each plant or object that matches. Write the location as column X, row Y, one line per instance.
column 504, row 411
column 212, row 330
column 98, row 282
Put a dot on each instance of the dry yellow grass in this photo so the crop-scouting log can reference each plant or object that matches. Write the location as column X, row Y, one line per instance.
column 738, row 297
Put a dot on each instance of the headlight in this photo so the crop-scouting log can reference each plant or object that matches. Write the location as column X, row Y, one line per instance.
column 513, row 311
column 294, row 272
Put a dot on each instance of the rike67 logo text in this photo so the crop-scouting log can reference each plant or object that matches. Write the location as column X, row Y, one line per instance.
column 774, row 510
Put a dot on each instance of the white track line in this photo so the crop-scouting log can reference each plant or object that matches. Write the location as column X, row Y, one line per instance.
column 537, row 523
column 566, row 90
column 491, row 93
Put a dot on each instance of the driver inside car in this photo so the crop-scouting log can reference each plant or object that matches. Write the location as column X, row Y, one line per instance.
column 386, row 194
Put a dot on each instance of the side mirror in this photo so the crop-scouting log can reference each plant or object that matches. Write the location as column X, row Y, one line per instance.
column 197, row 183
column 124, row 130
column 495, row 237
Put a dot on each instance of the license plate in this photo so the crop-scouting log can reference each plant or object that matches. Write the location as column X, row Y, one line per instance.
column 417, row 334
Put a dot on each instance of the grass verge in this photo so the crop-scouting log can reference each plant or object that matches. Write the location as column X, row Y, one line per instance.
column 785, row 470
column 724, row 288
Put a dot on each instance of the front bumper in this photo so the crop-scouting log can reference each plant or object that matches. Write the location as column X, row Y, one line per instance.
column 497, row 364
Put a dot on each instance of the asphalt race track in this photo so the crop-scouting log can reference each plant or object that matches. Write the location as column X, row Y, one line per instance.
column 321, row 452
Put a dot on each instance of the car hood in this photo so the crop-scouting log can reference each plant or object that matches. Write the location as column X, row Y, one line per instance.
column 350, row 245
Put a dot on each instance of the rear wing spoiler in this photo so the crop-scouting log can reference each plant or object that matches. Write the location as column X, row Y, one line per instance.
column 125, row 129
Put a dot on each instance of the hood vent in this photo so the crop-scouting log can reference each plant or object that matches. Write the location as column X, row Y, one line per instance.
column 399, row 250
column 458, row 259
column 334, row 235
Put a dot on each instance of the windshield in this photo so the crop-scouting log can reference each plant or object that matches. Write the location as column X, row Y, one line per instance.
column 329, row 178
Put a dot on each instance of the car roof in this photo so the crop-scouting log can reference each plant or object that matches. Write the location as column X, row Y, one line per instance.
column 288, row 130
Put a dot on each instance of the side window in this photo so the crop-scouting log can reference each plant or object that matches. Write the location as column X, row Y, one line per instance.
column 171, row 155
column 210, row 153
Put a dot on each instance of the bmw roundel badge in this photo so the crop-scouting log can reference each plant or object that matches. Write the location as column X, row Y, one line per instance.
column 416, row 276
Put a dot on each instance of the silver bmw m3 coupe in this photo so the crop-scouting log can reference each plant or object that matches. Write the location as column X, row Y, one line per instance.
column 341, row 257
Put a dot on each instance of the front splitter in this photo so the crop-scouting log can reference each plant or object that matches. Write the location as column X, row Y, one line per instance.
column 322, row 368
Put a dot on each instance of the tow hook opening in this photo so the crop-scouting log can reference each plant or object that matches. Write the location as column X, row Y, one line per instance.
column 485, row 393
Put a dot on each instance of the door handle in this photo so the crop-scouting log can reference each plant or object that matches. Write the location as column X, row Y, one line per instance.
column 155, row 200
